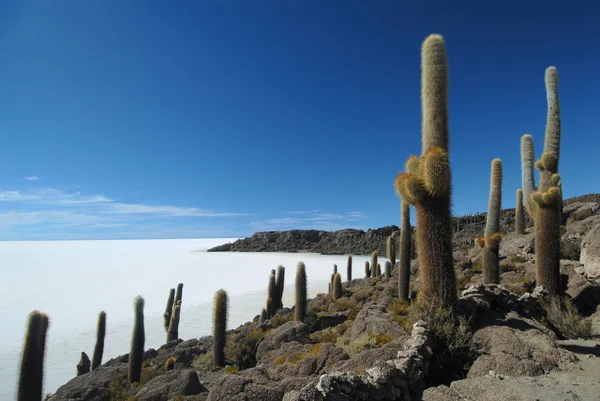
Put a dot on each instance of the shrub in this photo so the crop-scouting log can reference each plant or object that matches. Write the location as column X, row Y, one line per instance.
column 329, row 335
column 343, row 304
column 366, row 342
column 278, row 320
column 353, row 312
column 564, row 318
column 399, row 309
column 477, row 267
column 231, row 369
column 362, row 294
column 241, row 347
column 570, row 249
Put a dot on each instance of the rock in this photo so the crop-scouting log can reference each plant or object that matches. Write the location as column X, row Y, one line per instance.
column 287, row 332
column 373, row 319
column 366, row 359
column 518, row 347
column 441, row 393
column 513, row 244
column 237, row 388
column 171, row 384
column 332, row 320
column 584, row 293
column 590, row 252
column 84, row 364
column 91, row 386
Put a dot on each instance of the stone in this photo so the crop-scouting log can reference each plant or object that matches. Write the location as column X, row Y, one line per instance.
column 171, row 384
column 287, row 332
column 374, row 319
column 590, row 252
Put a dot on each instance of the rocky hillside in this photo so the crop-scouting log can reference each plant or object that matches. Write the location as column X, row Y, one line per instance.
column 359, row 242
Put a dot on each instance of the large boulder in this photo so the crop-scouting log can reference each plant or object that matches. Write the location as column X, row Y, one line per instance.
column 238, row 388
column 590, row 252
column 287, row 332
column 171, row 384
column 374, row 320
column 91, row 386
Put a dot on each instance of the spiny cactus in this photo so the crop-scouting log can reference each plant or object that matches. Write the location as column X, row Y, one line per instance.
column 405, row 252
column 331, row 282
column 169, row 309
column 280, row 281
column 378, row 270
column 519, row 214
column 219, row 328
column 138, row 338
column 527, row 176
column 551, row 155
column 349, row 268
column 173, row 332
column 374, row 271
column 388, row 269
column 334, row 268
column 427, row 183
column 32, row 360
column 367, row 269
column 337, row 286
column 263, row 315
column 492, row 237
column 179, row 295
column 100, row 334
column 83, row 366
column 272, row 295
column 547, row 239
column 170, row 363
column 301, row 290
column 390, row 248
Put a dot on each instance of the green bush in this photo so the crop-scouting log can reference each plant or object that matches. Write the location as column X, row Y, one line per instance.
column 563, row 317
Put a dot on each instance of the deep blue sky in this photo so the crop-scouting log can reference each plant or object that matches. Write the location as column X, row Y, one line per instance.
column 138, row 119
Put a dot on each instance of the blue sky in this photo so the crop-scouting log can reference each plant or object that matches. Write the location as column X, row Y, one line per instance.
column 172, row 119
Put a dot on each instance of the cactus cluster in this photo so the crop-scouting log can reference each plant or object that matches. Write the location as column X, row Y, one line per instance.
column 172, row 314
column 426, row 184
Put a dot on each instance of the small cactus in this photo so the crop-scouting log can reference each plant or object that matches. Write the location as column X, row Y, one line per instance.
column 405, row 252
column 169, row 309
column 334, row 268
column 527, row 175
column 100, row 334
column 378, row 270
column 301, row 290
column 263, row 315
column 519, row 214
column 390, row 249
column 280, row 280
column 337, row 286
column 349, row 268
column 388, row 269
column 32, row 360
column 83, row 366
column 367, row 269
column 219, row 328
column 179, row 295
column 138, row 338
column 272, row 295
column 491, row 268
column 374, row 272
column 173, row 332
column 170, row 363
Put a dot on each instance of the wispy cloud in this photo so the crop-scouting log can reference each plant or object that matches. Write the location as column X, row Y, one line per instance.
column 31, row 178
column 310, row 220
column 303, row 212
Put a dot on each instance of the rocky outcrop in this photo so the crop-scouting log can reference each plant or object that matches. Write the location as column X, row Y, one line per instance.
column 590, row 252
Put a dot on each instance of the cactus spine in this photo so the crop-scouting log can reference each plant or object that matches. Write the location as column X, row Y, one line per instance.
column 280, row 280
column 390, row 249
column 374, row 271
column 427, row 184
column 83, row 366
column 349, row 268
column 219, row 328
column 491, row 240
column 173, row 332
column 337, row 286
column 138, row 338
column 301, row 290
column 169, row 309
column 519, row 214
column 31, row 376
column 367, row 269
column 100, row 334
column 272, row 296
column 405, row 252
column 388, row 269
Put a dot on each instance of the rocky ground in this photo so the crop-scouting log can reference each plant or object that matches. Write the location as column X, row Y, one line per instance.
column 509, row 342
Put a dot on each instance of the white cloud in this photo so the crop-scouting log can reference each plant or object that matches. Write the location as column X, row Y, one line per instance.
column 320, row 221
column 31, row 178
column 16, row 196
column 303, row 212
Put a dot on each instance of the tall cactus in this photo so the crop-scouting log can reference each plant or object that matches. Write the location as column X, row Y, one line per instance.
column 263, row 315
column 491, row 240
column 169, row 309
column 519, row 214
column 219, row 328
column 367, row 269
column 301, row 290
column 337, row 286
column 374, row 263
column 138, row 338
column 551, row 155
column 527, row 175
column 173, row 332
column 427, row 184
column 378, row 270
column 388, row 269
column 280, row 281
column 405, row 252
column 272, row 296
column 390, row 249
column 349, row 268
column 100, row 334
column 31, row 376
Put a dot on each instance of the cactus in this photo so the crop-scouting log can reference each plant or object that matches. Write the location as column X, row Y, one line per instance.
column 331, row 282
column 272, row 295
column 337, row 286
column 519, row 214
column 405, row 252
column 527, row 176
column 378, row 270
column 263, row 315
column 301, row 290
column 491, row 240
column 390, row 249
column 138, row 338
column 367, row 269
column 219, row 328
column 334, row 268
column 374, row 271
column 31, row 376
column 100, row 334
column 179, row 295
column 388, row 269
column 169, row 309
column 551, row 155
column 349, row 268
column 427, row 183
column 170, row 363
column 83, row 366
column 547, row 239
column 280, row 280
column 173, row 332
